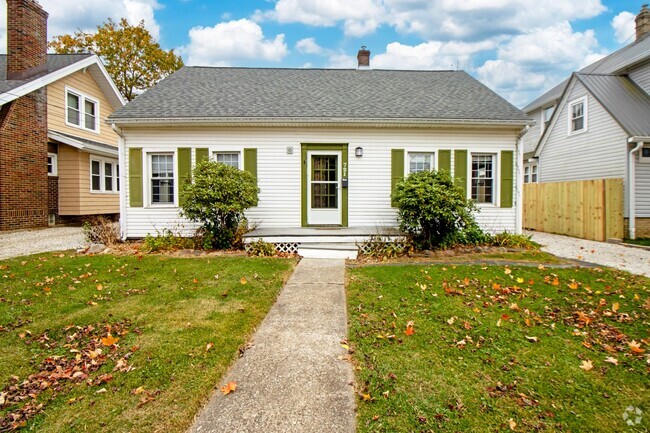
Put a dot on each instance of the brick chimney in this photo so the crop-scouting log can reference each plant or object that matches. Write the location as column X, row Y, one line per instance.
column 26, row 39
column 642, row 22
column 363, row 56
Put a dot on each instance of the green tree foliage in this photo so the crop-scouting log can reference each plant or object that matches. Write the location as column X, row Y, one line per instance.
column 217, row 198
column 132, row 57
column 434, row 211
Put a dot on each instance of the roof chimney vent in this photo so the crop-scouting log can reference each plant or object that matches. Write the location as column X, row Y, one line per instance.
column 26, row 39
column 642, row 22
column 364, row 58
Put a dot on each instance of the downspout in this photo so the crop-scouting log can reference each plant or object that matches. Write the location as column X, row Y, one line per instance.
column 519, row 202
column 121, row 155
column 631, row 190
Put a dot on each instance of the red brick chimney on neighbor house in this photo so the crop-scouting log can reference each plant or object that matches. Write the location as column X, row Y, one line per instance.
column 642, row 22
column 23, row 122
column 363, row 57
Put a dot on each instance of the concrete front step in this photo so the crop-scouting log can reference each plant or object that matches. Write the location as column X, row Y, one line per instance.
column 334, row 250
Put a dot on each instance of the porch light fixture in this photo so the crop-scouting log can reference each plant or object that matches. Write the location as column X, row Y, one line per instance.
column 358, row 152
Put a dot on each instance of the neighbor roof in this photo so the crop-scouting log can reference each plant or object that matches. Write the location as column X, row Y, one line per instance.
column 626, row 102
column 615, row 63
column 253, row 94
column 59, row 66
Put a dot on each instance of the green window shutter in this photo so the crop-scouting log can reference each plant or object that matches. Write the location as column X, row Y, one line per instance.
column 460, row 169
column 507, row 165
column 184, row 168
column 250, row 161
column 201, row 154
column 444, row 160
column 135, row 177
column 396, row 171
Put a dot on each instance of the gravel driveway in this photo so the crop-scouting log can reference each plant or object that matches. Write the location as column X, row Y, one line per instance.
column 634, row 260
column 25, row 242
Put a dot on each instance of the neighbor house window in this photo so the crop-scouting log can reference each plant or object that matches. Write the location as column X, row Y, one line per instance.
column 530, row 173
column 52, row 169
column 420, row 161
column 103, row 175
column 162, row 179
column 483, row 178
column 527, row 174
column 228, row 158
column 578, row 115
column 81, row 110
column 546, row 117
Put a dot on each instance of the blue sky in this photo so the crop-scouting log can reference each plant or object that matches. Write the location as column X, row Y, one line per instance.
column 519, row 48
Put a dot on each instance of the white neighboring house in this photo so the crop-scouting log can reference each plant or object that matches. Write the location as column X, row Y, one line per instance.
column 596, row 124
column 327, row 146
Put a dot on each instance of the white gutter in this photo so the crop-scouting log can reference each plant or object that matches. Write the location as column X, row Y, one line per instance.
column 121, row 155
column 519, row 179
column 631, row 189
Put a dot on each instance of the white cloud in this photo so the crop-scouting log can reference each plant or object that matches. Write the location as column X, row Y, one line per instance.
column 230, row 41
column 514, row 82
column 429, row 55
column 624, row 26
column 342, row 61
column 308, row 46
column 69, row 16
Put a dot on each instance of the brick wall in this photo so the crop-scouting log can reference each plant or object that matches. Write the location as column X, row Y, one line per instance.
column 641, row 227
column 26, row 38
column 23, row 163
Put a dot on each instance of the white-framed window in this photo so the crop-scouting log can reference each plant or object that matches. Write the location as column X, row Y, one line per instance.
column 644, row 155
column 82, row 111
column 530, row 173
column 577, row 115
column 420, row 161
column 103, row 175
column 52, row 164
column 483, row 173
column 161, row 178
column 547, row 113
column 229, row 158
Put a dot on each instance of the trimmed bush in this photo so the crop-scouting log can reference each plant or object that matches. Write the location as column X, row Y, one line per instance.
column 434, row 211
column 217, row 198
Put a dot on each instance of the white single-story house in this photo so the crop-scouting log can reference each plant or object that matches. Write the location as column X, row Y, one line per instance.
column 327, row 146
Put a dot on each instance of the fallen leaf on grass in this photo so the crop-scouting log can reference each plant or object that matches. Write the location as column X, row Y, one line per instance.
column 512, row 424
column 615, row 306
column 229, row 387
column 109, row 340
column 409, row 329
column 139, row 390
column 586, row 365
column 555, row 282
column 520, row 280
column 451, row 320
column 243, row 280
column 508, row 271
column 635, row 347
column 611, row 360
column 100, row 287
column 532, row 339
column 573, row 285
column 366, row 397
column 209, row 346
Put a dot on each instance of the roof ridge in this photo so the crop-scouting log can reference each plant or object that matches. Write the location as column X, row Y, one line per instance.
column 316, row 69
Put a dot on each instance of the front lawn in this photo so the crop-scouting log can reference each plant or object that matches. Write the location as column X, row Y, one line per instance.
column 476, row 348
column 136, row 343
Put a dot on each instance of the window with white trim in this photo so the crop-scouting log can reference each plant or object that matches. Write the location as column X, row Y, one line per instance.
column 530, row 173
column 547, row 113
column 577, row 112
column 103, row 175
column 483, row 178
column 229, row 158
column 420, row 161
column 527, row 174
column 162, row 178
column 81, row 110
column 52, row 164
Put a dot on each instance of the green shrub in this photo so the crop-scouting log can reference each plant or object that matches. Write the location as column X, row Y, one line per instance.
column 260, row 248
column 434, row 211
column 381, row 247
column 167, row 240
column 511, row 240
column 217, row 198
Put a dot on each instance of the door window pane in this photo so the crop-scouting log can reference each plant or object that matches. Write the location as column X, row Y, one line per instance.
column 324, row 182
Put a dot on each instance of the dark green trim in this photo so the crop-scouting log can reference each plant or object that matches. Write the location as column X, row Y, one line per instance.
column 184, row 169
column 135, row 177
column 460, row 169
column 444, row 160
column 507, row 178
column 250, row 161
column 396, row 171
column 304, row 148
column 201, row 154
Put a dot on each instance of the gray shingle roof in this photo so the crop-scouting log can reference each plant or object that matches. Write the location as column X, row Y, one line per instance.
column 54, row 63
column 253, row 93
column 617, row 62
column 623, row 99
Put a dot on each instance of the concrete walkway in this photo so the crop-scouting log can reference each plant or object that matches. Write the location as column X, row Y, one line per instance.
column 293, row 378
column 630, row 259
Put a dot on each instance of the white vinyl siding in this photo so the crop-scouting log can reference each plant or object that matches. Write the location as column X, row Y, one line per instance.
column 598, row 153
column 279, row 173
column 577, row 118
column 531, row 138
column 642, row 169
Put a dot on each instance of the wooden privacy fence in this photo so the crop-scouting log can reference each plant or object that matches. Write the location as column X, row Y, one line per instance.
column 588, row 209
